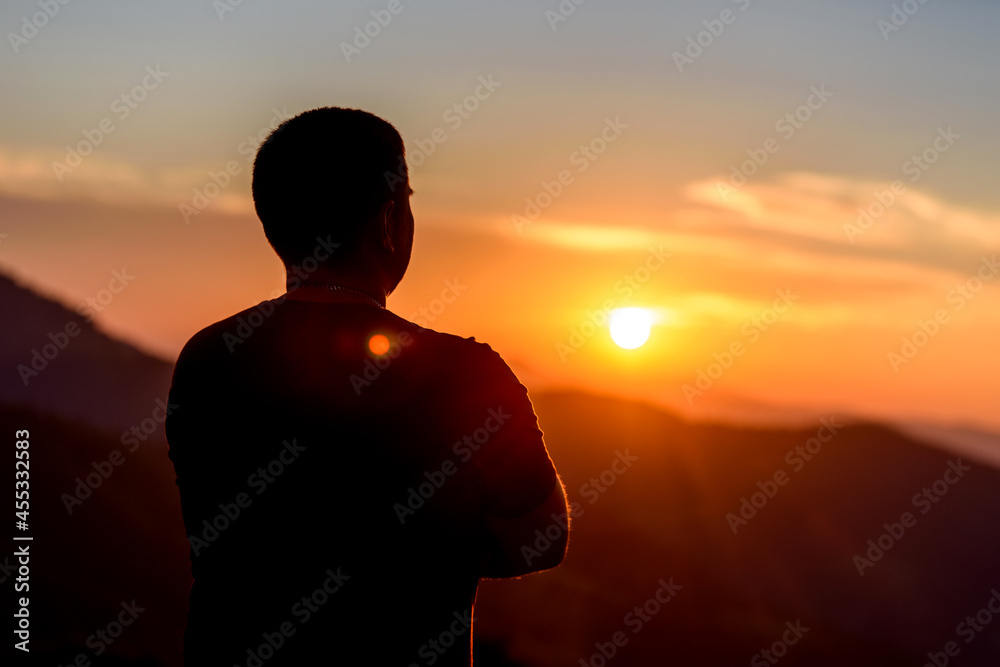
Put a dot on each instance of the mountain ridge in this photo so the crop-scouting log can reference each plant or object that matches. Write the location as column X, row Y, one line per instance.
column 108, row 382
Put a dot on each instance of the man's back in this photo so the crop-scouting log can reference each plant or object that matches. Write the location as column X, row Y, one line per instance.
column 336, row 498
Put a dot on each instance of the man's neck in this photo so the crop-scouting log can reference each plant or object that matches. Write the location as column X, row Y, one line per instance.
column 318, row 286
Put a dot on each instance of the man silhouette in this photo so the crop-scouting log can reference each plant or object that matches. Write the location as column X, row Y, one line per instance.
column 346, row 476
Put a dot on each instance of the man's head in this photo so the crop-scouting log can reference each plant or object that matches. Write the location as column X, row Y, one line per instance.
column 340, row 174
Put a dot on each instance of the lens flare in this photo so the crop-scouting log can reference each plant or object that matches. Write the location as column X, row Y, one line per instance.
column 378, row 344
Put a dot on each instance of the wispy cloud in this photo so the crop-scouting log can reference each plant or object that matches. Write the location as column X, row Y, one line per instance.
column 802, row 219
column 841, row 212
column 29, row 174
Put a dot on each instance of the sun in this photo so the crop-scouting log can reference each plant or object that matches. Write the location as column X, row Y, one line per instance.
column 630, row 327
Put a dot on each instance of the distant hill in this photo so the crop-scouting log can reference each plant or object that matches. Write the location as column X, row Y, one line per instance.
column 123, row 541
column 666, row 516
column 92, row 377
column 655, row 519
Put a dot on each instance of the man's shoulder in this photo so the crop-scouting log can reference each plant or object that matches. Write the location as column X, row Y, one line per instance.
column 464, row 354
column 224, row 336
column 463, row 350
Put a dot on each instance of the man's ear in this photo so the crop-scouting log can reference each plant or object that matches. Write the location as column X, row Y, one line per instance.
column 387, row 225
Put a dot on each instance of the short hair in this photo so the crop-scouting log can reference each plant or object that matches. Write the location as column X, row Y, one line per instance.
column 325, row 172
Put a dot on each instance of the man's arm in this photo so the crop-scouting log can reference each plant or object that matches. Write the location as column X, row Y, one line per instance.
column 517, row 548
column 525, row 513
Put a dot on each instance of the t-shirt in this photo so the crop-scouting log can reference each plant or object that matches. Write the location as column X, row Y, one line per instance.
column 336, row 465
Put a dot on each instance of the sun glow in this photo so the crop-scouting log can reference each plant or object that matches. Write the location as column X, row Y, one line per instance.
column 630, row 327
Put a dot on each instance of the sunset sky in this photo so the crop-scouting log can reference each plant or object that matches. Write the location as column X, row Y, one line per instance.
column 697, row 159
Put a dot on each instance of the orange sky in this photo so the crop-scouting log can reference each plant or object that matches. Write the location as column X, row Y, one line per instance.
column 665, row 182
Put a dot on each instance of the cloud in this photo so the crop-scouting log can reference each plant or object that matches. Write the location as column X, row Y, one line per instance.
column 876, row 218
column 33, row 174
column 598, row 238
column 801, row 220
